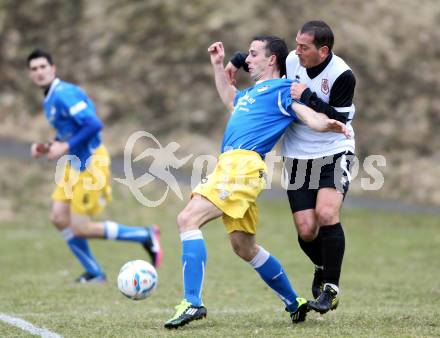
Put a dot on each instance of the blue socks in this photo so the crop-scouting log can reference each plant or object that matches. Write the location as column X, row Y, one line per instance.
column 193, row 265
column 121, row 232
column 267, row 266
column 271, row 271
column 80, row 248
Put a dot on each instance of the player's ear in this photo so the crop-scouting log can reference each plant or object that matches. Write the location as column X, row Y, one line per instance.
column 324, row 51
column 272, row 60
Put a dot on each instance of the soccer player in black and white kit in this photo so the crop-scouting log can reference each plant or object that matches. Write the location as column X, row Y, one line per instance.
column 318, row 164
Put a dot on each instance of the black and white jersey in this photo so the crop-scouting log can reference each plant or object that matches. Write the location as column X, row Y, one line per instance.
column 299, row 141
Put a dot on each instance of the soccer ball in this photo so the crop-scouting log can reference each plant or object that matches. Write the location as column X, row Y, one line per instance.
column 137, row 279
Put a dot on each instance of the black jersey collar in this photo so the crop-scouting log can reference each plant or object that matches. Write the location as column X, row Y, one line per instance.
column 49, row 89
column 313, row 72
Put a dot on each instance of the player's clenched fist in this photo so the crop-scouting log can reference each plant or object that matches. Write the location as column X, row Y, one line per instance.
column 296, row 90
column 39, row 149
column 217, row 53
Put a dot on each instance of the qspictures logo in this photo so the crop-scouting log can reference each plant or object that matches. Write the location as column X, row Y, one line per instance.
column 163, row 158
column 161, row 163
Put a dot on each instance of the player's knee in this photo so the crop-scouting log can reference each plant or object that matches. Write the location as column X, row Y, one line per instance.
column 59, row 220
column 326, row 215
column 239, row 250
column 185, row 221
column 307, row 229
column 242, row 251
column 307, row 233
column 79, row 229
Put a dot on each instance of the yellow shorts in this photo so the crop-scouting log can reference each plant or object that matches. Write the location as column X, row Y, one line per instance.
column 87, row 191
column 234, row 186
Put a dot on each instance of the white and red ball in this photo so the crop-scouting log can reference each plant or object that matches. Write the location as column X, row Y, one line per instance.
column 137, row 279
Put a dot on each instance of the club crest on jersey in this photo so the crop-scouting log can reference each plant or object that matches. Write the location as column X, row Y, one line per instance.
column 324, row 86
column 262, row 89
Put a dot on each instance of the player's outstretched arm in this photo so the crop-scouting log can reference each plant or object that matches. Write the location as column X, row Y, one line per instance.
column 318, row 121
column 226, row 91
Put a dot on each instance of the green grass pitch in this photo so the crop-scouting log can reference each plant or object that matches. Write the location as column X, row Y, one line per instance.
column 390, row 280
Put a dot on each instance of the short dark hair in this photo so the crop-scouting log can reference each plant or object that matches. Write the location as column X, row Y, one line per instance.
column 39, row 53
column 321, row 32
column 275, row 46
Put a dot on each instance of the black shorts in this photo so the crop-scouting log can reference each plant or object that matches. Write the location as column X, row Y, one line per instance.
column 308, row 176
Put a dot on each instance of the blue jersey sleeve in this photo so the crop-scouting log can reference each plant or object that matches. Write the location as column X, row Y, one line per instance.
column 78, row 107
column 285, row 102
column 90, row 127
column 76, row 104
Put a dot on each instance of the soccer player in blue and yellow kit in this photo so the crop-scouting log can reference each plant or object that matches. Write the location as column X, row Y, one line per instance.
column 260, row 114
column 86, row 189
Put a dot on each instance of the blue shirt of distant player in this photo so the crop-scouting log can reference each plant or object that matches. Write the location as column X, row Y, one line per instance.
column 261, row 115
column 73, row 115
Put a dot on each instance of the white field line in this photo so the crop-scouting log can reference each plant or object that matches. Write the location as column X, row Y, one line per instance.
column 26, row 326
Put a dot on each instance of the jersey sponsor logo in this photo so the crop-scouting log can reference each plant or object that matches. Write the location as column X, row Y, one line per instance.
column 324, row 86
column 244, row 101
column 262, row 89
column 76, row 108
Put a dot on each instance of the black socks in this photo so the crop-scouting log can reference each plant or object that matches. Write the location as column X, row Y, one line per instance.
column 327, row 250
column 333, row 247
column 312, row 249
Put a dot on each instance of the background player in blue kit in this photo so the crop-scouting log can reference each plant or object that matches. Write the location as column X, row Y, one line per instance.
column 73, row 116
column 260, row 114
